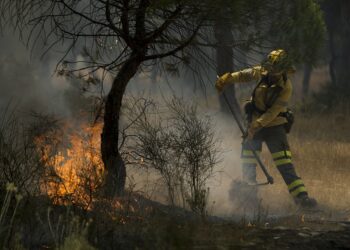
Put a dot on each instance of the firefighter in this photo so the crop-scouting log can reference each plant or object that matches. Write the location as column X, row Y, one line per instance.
column 269, row 120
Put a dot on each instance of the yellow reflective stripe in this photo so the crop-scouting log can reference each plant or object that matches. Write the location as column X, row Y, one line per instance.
column 298, row 191
column 281, row 154
column 249, row 152
column 282, row 162
column 295, row 184
column 249, row 160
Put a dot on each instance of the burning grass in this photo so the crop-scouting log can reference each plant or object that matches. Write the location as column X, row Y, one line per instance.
column 75, row 166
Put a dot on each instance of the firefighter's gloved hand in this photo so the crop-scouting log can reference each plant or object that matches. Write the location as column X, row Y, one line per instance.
column 253, row 128
column 222, row 81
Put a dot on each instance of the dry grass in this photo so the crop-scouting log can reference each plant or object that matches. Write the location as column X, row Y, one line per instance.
column 320, row 146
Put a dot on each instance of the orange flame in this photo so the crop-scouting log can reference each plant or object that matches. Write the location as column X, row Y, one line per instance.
column 76, row 169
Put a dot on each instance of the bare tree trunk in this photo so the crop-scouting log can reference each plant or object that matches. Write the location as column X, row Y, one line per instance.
column 224, row 60
column 115, row 172
column 306, row 80
column 332, row 59
column 338, row 24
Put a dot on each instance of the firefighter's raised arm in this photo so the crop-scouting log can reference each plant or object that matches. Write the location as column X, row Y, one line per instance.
column 245, row 75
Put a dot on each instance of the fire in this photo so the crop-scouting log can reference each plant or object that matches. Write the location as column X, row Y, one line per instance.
column 74, row 171
column 75, row 167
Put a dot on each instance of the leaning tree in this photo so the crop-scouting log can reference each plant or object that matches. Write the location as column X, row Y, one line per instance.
column 120, row 37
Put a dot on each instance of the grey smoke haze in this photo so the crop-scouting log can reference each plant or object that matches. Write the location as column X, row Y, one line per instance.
column 27, row 82
column 31, row 84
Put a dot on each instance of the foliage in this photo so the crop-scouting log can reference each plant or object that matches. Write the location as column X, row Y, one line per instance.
column 42, row 155
column 302, row 31
column 104, row 33
column 178, row 143
column 20, row 157
column 296, row 26
column 107, row 34
column 69, row 232
column 7, row 215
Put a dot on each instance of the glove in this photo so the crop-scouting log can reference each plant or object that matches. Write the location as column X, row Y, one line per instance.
column 222, row 81
column 252, row 129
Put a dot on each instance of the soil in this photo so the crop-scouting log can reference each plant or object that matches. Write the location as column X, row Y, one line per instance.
column 317, row 229
column 312, row 235
column 146, row 224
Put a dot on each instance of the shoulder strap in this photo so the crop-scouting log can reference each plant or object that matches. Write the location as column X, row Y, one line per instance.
column 277, row 90
column 273, row 97
column 263, row 79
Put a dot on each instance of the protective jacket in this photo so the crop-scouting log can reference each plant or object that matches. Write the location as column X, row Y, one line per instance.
column 267, row 111
column 268, row 116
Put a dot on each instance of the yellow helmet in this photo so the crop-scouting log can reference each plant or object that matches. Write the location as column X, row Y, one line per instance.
column 278, row 61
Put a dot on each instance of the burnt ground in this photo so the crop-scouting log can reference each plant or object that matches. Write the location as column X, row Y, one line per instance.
column 180, row 229
column 145, row 224
column 307, row 235
column 228, row 235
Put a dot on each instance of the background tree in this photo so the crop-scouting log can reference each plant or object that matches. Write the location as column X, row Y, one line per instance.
column 254, row 29
column 224, row 56
column 338, row 30
column 306, row 80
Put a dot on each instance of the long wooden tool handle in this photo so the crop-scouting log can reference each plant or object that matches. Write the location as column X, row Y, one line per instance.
column 261, row 164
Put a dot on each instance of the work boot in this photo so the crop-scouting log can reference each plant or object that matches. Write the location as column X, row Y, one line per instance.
column 305, row 201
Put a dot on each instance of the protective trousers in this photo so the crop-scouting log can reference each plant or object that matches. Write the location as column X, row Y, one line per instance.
column 276, row 140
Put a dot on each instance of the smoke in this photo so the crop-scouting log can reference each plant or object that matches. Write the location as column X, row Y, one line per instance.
column 28, row 82
column 229, row 169
column 225, row 198
column 226, row 132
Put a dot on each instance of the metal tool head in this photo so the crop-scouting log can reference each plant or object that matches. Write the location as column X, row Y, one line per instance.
column 259, row 184
column 269, row 181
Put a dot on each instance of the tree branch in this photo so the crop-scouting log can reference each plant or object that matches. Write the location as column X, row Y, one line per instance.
column 156, row 33
column 89, row 18
column 109, row 18
column 140, row 21
column 125, row 17
column 177, row 49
